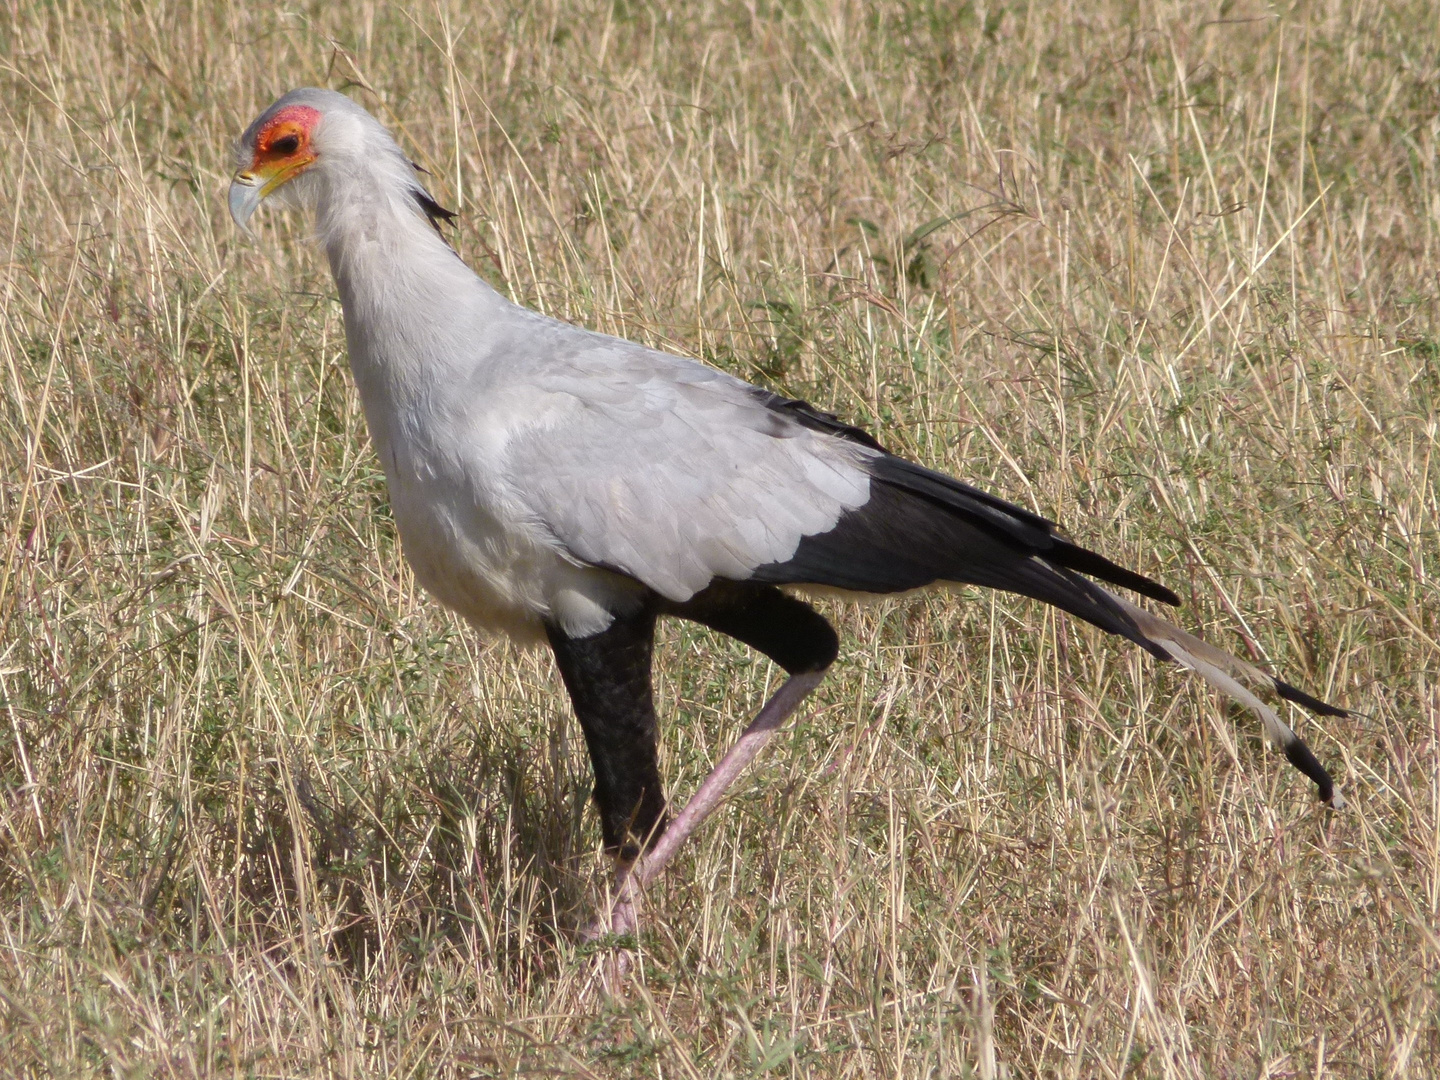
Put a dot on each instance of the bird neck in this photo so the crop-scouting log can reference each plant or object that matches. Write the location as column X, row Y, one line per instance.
column 405, row 292
column 378, row 237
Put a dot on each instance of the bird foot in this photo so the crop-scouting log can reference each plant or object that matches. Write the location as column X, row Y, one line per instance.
column 614, row 933
column 620, row 921
column 612, row 970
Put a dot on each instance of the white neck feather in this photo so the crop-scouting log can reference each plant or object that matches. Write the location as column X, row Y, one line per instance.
column 413, row 309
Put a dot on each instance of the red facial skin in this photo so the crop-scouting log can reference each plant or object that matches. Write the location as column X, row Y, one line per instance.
column 274, row 150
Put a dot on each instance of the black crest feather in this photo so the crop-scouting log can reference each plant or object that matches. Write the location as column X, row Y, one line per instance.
column 437, row 214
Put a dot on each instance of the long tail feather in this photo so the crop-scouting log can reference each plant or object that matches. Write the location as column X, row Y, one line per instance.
column 1224, row 672
column 921, row 526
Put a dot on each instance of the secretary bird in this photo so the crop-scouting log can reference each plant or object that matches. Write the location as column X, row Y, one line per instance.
column 562, row 485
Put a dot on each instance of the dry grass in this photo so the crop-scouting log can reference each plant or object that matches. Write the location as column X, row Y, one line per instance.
column 1164, row 270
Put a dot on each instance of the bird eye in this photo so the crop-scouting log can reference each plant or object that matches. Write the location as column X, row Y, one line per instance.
column 286, row 144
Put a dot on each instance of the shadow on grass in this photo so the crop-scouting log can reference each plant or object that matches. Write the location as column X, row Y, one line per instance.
column 469, row 854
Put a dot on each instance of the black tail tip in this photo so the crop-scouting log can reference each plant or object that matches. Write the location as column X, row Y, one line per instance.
column 1299, row 755
column 1306, row 701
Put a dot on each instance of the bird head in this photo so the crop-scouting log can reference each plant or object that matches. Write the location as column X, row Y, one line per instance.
column 311, row 138
column 297, row 137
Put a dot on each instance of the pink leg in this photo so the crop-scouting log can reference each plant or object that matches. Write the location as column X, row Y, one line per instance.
column 632, row 878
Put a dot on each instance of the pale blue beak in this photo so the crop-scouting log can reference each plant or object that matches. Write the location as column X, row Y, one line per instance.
column 245, row 195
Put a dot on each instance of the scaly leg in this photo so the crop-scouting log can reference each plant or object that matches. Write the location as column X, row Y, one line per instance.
column 608, row 676
column 632, row 877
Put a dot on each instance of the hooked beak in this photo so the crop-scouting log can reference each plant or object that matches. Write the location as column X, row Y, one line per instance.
column 250, row 186
column 245, row 196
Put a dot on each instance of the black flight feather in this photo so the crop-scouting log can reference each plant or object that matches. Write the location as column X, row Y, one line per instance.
column 920, row 526
column 1028, row 532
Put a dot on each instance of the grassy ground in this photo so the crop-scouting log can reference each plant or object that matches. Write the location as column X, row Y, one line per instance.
column 1164, row 270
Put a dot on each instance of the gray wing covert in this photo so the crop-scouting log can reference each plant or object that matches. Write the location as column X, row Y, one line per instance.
column 675, row 473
